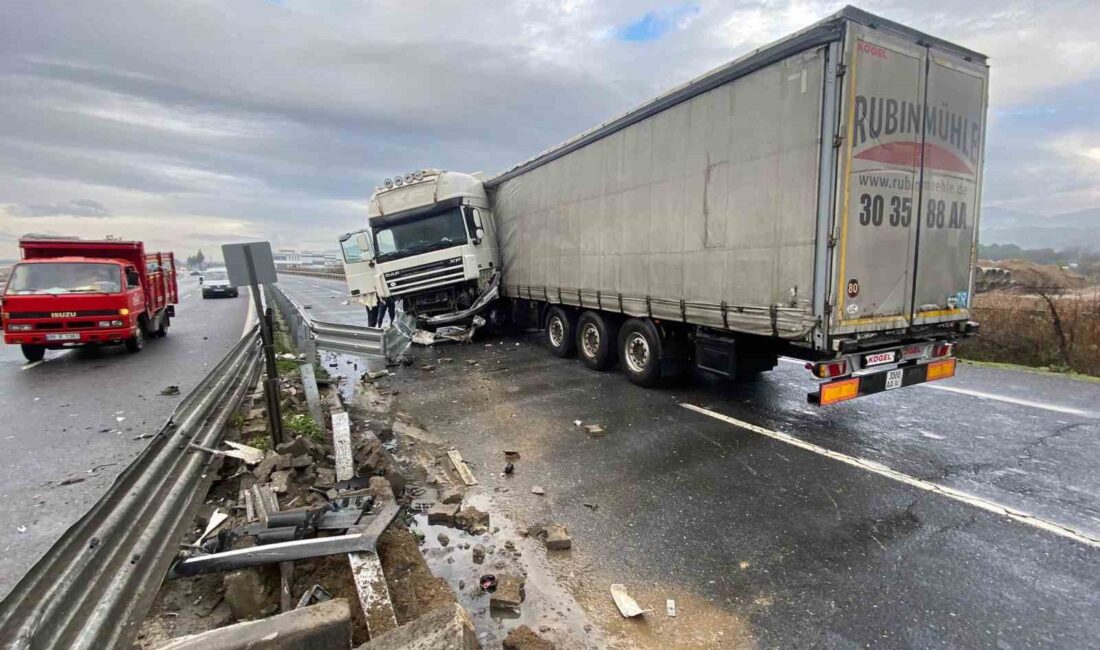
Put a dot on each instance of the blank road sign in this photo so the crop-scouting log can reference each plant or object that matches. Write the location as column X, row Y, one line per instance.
column 235, row 264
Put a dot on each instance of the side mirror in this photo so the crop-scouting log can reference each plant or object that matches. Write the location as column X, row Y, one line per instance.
column 477, row 222
column 363, row 243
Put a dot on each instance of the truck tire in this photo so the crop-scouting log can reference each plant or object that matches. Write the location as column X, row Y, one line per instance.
column 597, row 341
column 560, row 326
column 33, row 352
column 162, row 328
column 640, row 352
column 136, row 342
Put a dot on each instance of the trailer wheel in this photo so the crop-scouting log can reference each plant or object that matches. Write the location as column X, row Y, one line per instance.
column 33, row 352
column 136, row 342
column 597, row 341
column 640, row 352
column 559, row 332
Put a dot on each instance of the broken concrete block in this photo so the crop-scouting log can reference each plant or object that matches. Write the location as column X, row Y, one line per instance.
column 324, row 625
column 443, row 539
column 305, row 460
column 472, row 520
column 524, row 638
column 296, row 447
column 326, row 477
column 445, row 628
column 557, row 537
column 478, row 553
column 442, row 514
column 269, row 464
column 451, row 494
column 252, row 593
column 509, row 592
column 537, row 489
column 280, row 481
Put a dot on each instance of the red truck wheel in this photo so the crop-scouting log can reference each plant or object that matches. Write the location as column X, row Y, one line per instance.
column 136, row 342
column 33, row 352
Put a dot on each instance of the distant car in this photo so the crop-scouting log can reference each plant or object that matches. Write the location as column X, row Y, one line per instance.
column 215, row 282
column 196, row 272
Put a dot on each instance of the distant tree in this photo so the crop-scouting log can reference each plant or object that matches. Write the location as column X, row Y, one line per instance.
column 196, row 260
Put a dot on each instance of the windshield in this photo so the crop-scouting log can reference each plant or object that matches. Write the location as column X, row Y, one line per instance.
column 65, row 277
column 441, row 230
column 216, row 276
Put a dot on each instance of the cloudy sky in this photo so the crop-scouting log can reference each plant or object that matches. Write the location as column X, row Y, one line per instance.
column 196, row 122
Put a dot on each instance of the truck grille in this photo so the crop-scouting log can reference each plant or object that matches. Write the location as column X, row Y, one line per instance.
column 427, row 275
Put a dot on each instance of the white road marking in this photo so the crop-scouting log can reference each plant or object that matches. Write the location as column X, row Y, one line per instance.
column 185, row 297
column 28, row 366
column 1011, row 400
column 928, row 486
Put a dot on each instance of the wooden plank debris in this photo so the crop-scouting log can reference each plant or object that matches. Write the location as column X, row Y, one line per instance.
column 460, row 466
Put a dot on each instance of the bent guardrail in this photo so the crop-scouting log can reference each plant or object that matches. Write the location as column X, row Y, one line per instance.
column 94, row 586
column 338, row 337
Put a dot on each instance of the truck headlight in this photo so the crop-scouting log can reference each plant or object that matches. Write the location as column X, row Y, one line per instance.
column 110, row 323
column 19, row 328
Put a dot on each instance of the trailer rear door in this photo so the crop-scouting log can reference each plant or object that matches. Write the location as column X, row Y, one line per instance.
column 910, row 179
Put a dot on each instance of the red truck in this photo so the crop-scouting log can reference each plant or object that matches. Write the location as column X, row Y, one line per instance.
column 67, row 293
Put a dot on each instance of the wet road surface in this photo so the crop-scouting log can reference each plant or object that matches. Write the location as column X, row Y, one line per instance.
column 765, row 543
column 74, row 417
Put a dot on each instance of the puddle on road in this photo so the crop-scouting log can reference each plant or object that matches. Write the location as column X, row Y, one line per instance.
column 548, row 607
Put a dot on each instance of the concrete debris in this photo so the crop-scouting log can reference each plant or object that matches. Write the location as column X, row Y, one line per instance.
column 443, row 514
column 451, row 494
column 445, row 628
column 460, row 466
column 268, row 465
column 377, row 374
column 324, row 625
column 537, row 489
column 252, row 593
column 577, row 423
column 280, row 481
column 511, row 455
column 250, row 455
column 509, row 468
column 509, row 592
column 595, row 430
column 478, row 553
column 670, row 607
column 472, row 520
column 628, row 607
column 427, row 367
column 443, row 539
column 326, row 477
column 524, row 638
column 557, row 537
column 300, row 445
column 298, row 462
column 171, row 390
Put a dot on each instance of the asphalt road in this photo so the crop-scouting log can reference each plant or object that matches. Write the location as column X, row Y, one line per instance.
column 766, row 543
column 75, row 418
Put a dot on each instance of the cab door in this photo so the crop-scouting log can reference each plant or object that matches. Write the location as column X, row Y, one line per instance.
column 358, row 258
column 878, row 198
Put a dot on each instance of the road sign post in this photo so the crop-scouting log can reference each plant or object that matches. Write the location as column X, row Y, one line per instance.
column 252, row 264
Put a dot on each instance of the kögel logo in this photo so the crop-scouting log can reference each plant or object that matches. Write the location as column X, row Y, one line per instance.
column 873, row 50
column 62, row 314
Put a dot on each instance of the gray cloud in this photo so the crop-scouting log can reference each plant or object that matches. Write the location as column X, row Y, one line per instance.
column 279, row 118
column 74, row 208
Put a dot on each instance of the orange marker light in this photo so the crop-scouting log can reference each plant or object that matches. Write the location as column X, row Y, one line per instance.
column 838, row 391
column 941, row 369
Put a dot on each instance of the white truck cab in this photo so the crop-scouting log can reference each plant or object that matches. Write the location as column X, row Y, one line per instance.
column 429, row 241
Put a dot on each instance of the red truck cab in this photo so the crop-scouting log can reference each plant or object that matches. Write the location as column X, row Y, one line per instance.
column 68, row 293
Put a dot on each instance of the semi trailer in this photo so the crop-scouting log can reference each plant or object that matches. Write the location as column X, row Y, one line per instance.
column 69, row 292
column 817, row 198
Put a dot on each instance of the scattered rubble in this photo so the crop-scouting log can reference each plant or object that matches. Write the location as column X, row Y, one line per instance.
column 524, row 638
column 472, row 520
column 445, row 628
column 171, row 390
column 628, row 607
column 537, row 489
column 508, row 593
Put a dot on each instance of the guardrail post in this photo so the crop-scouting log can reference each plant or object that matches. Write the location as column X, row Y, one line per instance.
column 271, row 378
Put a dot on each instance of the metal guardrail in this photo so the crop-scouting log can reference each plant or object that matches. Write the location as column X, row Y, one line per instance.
column 94, row 586
column 339, row 337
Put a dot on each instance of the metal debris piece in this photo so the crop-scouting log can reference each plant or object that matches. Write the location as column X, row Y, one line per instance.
column 670, row 607
column 315, row 594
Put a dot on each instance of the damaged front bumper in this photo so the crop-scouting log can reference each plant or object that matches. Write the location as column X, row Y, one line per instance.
column 487, row 297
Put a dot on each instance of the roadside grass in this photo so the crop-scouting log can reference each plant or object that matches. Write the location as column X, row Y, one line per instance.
column 302, row 424
column 1055, row 333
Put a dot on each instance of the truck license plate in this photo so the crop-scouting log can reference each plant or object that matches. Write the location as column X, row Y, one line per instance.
column 893, row 379
column 69, row 336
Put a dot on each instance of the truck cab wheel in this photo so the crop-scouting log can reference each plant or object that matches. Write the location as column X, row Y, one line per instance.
column 162, row 328
column 559, row 332
column 33, row 352
column 640, row 352
column 136, row 342
column 597, row 341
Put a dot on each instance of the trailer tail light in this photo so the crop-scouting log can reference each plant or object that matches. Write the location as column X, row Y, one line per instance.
column 838, row 391
column 830, row 369
column 941, row 369
column 942, row 349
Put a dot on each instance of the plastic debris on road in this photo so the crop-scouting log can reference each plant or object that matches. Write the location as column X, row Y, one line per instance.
column 628, row 607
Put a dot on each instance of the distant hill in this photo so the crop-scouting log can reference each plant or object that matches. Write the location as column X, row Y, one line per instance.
column 1060, row 231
